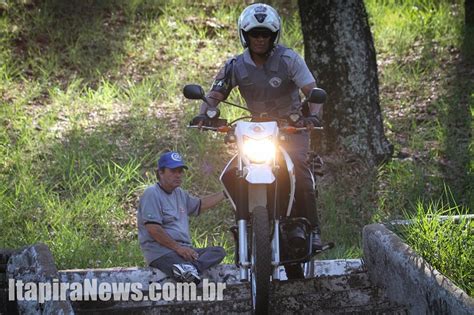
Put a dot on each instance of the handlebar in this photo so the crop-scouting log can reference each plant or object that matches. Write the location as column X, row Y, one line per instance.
column 287, row 129
column 291, row 129
column 203, row 127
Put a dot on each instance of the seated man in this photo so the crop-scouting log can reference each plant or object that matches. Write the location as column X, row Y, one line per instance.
column 163, row 227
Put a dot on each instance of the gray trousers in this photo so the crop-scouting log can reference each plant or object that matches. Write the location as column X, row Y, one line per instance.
column 208, row 257
column 305, row 193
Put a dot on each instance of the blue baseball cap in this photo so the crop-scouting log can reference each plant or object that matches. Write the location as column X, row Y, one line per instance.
column 171, row 160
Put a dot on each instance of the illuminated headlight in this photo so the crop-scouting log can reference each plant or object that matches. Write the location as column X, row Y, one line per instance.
column 259, row 151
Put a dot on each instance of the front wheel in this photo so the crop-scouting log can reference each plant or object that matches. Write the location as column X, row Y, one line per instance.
column 261, row 260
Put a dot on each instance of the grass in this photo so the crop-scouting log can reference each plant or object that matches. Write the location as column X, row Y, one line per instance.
column 90, row 94
column 446, row 244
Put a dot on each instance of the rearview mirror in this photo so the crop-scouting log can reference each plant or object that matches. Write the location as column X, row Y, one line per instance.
column 194, row 92
column 317, row 96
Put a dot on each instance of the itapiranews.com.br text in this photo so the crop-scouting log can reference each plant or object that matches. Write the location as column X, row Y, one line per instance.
column 92, row 290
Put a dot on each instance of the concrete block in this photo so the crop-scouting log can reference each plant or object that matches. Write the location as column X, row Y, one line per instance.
column 36, row 264
column 407, row 278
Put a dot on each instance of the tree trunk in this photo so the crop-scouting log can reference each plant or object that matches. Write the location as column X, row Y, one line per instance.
column 469, row 12
column 339, row 50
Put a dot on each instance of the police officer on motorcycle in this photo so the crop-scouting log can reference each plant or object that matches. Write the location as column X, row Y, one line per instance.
column 269, row 77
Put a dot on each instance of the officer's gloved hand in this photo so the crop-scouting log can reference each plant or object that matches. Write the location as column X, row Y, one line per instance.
column 199, row 119
column 313, row 119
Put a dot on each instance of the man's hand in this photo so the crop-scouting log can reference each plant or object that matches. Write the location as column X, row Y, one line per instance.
column 199, row 120
column 163, row 238
column 312, row 120
column 309, row 122
column 187, row 253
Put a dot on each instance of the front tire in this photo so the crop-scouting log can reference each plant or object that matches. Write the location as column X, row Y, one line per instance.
column 261, row 260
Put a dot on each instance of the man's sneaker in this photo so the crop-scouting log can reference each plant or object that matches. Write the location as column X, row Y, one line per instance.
column 186, row 273
column 316, row 240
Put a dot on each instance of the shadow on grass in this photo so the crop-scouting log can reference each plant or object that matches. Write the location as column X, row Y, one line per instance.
column 60, row 39
column 131, row 138
column 458, row 123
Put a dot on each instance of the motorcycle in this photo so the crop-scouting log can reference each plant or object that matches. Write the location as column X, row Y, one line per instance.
column 260, row 183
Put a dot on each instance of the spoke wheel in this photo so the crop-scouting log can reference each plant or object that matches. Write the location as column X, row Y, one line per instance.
column 261, row 254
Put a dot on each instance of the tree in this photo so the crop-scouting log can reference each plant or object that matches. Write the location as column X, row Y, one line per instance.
column 339, row 50
column 469, row 12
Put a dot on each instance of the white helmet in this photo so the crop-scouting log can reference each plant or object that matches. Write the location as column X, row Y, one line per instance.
column 262, row 16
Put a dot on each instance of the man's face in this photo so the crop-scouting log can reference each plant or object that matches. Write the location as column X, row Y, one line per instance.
column 259, row 41
column 171, row 178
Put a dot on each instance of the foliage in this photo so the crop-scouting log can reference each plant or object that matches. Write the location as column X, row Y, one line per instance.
column 444, row 242
column 427, row 98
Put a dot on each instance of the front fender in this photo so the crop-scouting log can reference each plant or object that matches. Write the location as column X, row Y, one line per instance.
column 259, row 174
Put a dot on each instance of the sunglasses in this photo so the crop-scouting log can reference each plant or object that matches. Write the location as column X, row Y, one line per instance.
column 259, row 33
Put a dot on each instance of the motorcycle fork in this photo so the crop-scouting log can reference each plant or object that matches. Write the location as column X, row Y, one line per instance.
column 258, row 197
column 242, row 219
column 243, row 251
column 276, row 250
column 276, row 231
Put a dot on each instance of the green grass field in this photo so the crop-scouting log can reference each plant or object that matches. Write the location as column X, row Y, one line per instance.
column 90, row 94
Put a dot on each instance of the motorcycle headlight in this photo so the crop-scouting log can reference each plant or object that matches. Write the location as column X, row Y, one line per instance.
column 259, row 151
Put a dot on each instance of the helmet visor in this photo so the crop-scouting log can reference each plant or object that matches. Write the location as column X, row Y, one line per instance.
column 260, row 32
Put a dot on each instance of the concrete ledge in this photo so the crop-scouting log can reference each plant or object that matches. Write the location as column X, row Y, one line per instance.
column 6, row 307
column 220, row 273
column 407, row 278
column 346, row 290
column 36, row 264
column 333, row 286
